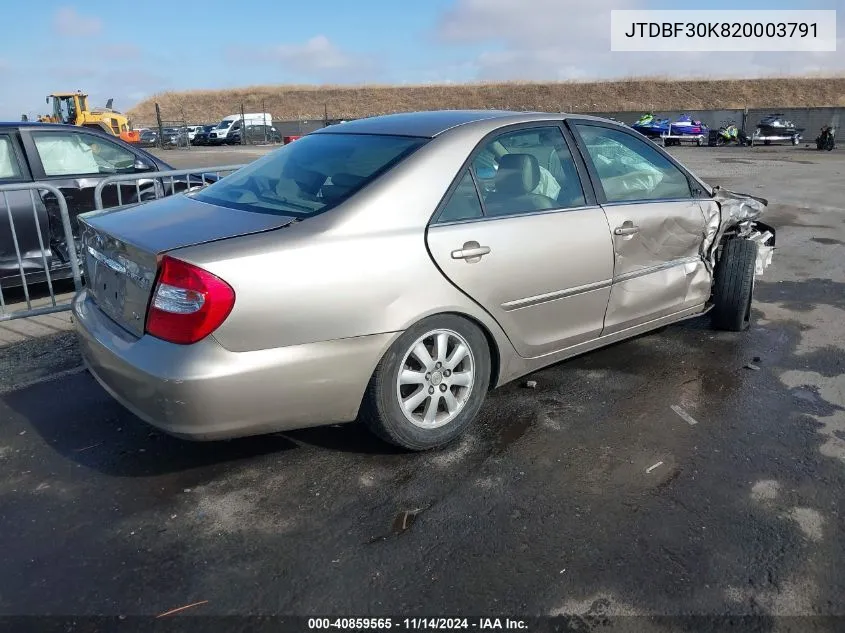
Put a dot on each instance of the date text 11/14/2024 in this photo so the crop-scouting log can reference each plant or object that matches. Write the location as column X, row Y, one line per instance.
column 416, row 624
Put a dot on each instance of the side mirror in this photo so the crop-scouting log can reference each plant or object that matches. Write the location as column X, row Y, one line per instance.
column 141, row 165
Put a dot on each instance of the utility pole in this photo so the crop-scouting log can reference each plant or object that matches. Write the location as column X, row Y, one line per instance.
column 160, row 126
column 243, row 126
column 264, row 117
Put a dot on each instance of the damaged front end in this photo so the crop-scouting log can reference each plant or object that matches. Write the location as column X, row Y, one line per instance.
column 737, row 218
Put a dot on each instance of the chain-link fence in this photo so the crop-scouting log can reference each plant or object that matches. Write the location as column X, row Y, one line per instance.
column 243, row 128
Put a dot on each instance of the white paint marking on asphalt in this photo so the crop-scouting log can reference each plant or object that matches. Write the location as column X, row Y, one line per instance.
column 684, row 415
column 43, row 379
column 650, row 468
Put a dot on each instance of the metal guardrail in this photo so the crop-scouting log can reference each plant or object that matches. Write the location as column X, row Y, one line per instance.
column 143, row 182
column 154, row 179
column 33, row 188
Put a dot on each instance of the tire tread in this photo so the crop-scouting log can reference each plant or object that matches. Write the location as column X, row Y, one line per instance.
column 734, row 285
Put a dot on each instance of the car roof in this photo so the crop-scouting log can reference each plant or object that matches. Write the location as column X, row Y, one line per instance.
column 44, row 126
column 428, row 124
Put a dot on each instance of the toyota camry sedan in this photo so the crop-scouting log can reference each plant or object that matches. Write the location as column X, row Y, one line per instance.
column 394, row 269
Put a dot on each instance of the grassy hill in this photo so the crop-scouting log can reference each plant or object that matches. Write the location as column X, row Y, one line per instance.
column 307, row 102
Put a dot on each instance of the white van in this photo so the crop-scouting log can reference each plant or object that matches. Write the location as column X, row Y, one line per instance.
column 232, row 123
column 193, row 130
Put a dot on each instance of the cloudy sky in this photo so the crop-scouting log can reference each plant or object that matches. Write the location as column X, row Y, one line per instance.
column 112, row 51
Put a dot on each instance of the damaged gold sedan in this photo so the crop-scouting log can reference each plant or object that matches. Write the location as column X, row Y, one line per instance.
column 394, row 269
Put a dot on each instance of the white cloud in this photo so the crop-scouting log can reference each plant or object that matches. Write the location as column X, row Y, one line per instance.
column 122, row 50
column 570, row 39
column 67, row 21
column 317, row 57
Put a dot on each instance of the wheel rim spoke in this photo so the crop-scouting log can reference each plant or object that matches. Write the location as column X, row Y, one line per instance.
column 413, row 402
column 431, row 410
column 451, row 401
column 461, row 379
column 441, row 347
column 457, row 356
column 421, row 354
column 409, row 377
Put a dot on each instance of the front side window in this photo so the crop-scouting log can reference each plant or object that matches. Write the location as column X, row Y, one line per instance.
column 77, row 153
column 317, row 172
column 9, row 168
column 528, row 170
column 631, row 169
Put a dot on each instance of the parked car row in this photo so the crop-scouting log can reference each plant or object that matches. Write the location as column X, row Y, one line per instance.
column 235, row 129
column 171, row 136
column 234, row 136
column 227, row 132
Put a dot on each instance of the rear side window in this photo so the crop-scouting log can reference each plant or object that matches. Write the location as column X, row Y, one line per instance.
column 9, row 168
column 528, row 170
column 631, row 169
column 317, row 172
column 463, row 204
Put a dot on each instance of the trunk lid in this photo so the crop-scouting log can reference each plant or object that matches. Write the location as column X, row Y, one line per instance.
column 121, row 247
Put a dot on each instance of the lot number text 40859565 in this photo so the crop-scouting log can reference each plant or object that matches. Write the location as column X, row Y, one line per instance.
column 417, row 624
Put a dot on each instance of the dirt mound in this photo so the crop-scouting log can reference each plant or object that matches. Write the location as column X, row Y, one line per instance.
column 311, row 102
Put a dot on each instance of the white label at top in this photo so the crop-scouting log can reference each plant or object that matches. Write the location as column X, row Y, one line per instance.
column 723, row 31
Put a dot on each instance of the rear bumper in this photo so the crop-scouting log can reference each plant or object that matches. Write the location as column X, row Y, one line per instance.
column 206, row 392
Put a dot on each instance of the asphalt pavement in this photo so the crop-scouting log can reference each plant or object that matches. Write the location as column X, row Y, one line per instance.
column 685, row 472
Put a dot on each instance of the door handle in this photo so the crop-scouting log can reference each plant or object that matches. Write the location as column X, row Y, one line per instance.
column 471, row 251
column 626, row 229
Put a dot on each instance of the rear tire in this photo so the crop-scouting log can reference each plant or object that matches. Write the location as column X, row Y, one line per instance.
column 734, row 287
column 420, row 396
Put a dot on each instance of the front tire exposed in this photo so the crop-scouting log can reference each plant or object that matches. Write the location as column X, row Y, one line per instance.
column 734, row 286
column 430, row 384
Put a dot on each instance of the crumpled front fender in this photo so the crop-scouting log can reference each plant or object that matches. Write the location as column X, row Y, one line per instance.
column 739, row 213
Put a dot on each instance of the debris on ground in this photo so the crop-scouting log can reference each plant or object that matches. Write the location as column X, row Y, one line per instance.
column 684, row 415
column 178, row 609
column 752, row 367
column 530, row 384
column 404, row 520
column 85, row 448
column 651, row 468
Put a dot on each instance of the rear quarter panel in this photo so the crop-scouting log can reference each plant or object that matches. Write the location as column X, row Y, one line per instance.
column 294, row 287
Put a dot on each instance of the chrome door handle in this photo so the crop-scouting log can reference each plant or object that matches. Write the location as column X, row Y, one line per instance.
column 471, row 250
column 468, row 253
column 626, row 230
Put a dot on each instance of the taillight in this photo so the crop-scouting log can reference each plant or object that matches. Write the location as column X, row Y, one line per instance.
column 188, row 304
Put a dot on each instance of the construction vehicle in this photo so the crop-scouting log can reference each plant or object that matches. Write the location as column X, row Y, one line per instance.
column 71, row 108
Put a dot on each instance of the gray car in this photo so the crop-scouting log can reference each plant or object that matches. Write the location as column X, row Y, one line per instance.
column 394, row 269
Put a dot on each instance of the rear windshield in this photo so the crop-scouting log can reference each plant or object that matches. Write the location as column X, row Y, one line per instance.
column 311, row 174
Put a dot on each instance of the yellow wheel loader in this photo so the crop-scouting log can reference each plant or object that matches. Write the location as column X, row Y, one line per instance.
column 71, row 108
